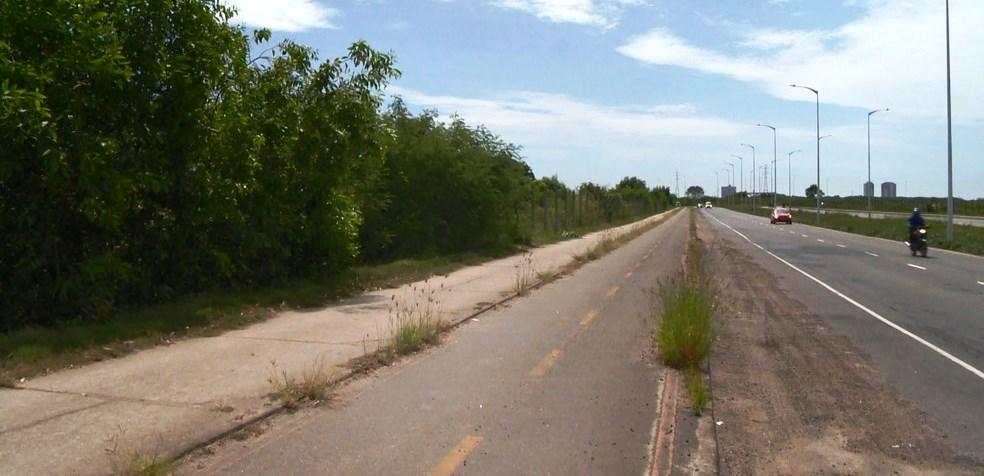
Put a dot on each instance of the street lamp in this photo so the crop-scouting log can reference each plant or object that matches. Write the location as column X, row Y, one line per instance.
column 741, row 171
column 789, row 160
column 753, row 175
column 774, row 183
column 949, row 136
column 871, row 113
column 818, row 143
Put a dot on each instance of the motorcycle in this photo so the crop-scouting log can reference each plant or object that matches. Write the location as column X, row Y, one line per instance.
column 918, row 241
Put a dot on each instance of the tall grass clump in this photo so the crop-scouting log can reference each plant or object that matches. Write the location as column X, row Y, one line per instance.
column 415, row 320
column 683, row 333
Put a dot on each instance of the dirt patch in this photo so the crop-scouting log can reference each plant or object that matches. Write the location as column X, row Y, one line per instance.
column 792, row 397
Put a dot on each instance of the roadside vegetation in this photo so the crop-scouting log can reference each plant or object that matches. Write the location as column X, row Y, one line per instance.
column 682, row 330
column 968, row 239
column 152, row 193
column 931, row 205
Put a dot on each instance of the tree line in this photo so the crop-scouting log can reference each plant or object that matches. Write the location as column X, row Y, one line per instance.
column 151, row 149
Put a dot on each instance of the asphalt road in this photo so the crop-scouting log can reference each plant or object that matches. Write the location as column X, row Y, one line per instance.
column 560, row 382
column 957, row 219
column 920, row 321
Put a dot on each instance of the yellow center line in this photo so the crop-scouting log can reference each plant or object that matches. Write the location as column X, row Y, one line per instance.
column 590, row 316
column 456, row 456
column 612, row 292
column 541, row 368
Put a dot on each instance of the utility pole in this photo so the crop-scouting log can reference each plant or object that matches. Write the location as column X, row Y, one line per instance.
column 949, row 136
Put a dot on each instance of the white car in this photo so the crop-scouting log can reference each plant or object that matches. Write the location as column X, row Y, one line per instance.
column 708, row 205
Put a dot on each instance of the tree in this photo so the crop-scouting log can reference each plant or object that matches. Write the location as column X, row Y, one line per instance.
column 695, row 191
column 811, row 191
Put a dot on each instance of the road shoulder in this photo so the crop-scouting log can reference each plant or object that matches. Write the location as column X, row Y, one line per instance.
column 793, row 397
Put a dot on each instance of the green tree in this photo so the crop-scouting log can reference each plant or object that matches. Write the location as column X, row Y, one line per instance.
column 811, row 191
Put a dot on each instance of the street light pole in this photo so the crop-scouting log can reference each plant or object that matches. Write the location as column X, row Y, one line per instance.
column 949, row 136
column 753, row 175
column 741, row 172
column 789, row 160
column 818, row 144
column 774, row 166
column 870, row 113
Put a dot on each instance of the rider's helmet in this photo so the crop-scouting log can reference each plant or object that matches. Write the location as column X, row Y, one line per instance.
column 915, row 210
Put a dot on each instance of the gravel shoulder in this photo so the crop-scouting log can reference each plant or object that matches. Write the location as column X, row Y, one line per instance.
column 793, row 397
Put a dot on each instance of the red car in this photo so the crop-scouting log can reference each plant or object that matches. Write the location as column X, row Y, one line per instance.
column 781, row 215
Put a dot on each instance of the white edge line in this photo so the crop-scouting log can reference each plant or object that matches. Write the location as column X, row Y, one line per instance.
column 981, row 283
column 821, row 241
column 841, row 246
column 915, row 266
column 805, row 236
column 860, row 306
column 871, row 254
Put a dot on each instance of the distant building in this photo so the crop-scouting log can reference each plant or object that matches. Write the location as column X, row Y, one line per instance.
column 727, row 191
column 869, row 189
column 888, row 190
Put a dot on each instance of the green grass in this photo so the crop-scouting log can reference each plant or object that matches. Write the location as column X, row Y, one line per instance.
column 968, row 239
column 698, row 390
column 683, row 332
column 34, row 350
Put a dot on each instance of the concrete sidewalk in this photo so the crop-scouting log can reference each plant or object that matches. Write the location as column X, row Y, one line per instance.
column 164, row 400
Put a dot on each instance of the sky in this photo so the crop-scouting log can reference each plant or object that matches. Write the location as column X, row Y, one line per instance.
column 596, row 90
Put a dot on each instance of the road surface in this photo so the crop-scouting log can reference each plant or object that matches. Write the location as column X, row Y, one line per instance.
column 918, row 321
column 957, row 219
column 560, row 382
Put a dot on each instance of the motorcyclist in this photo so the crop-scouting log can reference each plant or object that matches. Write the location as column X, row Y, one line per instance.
column 916, row 221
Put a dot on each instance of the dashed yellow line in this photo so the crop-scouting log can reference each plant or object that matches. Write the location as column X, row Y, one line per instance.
column 541, row 368
column 612, row 292
column 590, row 316
column 456, row 456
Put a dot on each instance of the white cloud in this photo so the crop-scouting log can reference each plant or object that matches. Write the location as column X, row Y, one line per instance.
column 284, row 15
column 585, row 141
column 892, row 56
column 603, row 13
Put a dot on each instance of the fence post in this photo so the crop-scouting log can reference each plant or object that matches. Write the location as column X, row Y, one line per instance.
column 556, row 213
column 567, row 195
column 546, row 221
column 532, row 209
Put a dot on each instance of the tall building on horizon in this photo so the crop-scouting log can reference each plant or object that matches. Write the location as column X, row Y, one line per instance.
column 888, row 190
column 869, row 189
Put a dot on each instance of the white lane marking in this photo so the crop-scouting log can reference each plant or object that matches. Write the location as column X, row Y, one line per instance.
column 930, row 345
column 871, row 254
column 981, row 283
column 821, row 241
column 792, row 233
column 915, row 266
column 805, row 236
column 840, row 245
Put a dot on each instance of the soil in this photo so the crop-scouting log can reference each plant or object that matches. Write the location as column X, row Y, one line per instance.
column 792, row 397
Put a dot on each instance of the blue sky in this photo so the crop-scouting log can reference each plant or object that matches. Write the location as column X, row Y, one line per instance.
column 595, row 90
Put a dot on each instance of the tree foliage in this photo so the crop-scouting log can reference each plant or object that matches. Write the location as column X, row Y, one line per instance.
column 152, row 149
